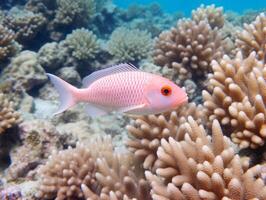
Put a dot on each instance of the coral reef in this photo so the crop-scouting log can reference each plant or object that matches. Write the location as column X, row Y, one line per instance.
column 26, row 24
column 95, row 172
column 25, row 71
column 211, row 148
column 130, row 45
column 8, row 46
column 237, row 98
column 82, row 44
column 77, row 13
column 8, row 116
column 188, row 48
column 253, row 38
column 147, row 131
column 200, row 167
column 38, row 139
column 214, row 15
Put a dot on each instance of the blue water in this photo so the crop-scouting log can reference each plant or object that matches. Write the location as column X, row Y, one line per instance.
column 187, row 5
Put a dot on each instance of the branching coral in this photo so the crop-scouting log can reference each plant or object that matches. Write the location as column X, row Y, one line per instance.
column 237, row 98
column 74, row 12
column 147, row 132
column 253, row 38
column 200, row 167
column 93, row 172
column 130, row 44
column 65, row 172
column 188, row 48
column 82, row 44
column 8, row 116
column 214, row 15
column 8, row 46
column 25, row 24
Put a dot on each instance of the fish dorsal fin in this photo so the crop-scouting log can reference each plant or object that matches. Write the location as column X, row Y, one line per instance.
column 123, row 67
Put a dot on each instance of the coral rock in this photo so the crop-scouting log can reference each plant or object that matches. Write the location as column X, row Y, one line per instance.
column 25, row 71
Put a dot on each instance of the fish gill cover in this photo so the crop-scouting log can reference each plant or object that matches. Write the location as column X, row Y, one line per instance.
column 210, row 148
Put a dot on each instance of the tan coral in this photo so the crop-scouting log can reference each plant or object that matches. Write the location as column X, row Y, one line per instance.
column 8, row 116
column 147, row 131
column 203, row 167
column 253, row 37
column 237, row 98
column 92, row 172
column 65, row 172
column 188, row 48
column 130, row 45
column 25, row 24
column 214, row 15
column 8, row 46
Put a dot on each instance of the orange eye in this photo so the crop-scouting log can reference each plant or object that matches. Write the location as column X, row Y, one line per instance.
column 166, row 90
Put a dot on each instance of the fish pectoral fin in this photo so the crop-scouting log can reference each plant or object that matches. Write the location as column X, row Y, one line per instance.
column 130, row 108
column 95, row 111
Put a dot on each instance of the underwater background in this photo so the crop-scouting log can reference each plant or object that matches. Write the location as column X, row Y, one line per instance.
column 211, row 148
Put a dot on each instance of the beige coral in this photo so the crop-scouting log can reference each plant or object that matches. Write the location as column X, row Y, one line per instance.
column 93, row 172
column 188, row 48
column 203, row 167
column 214, row 15
column 147, row 131
column 8, row 116
column 8, row 46
column 77, row 12
column 25, row 70
column 82, row 44
column 253, row 37
column 237, row 98
column 25, row 24
column 65, row 172
column 130, row 45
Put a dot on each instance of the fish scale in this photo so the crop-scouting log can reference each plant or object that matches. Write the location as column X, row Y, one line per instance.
column 121, row 89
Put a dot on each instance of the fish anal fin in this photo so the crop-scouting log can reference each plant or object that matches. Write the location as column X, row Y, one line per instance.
column 123, row 67
column 95, row 111
column 130, row 108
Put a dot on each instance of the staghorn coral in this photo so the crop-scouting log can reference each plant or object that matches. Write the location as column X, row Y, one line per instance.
column 237, row 98
column 82, row 45
column 253, row 38
column 130, row 45
column 188, row 48
column 8, row 46
column 25, row 71
column 93, row 172
column 203, row 167
column 147, row 131
column 25, row 24
column 214, row 15
column 77, row 12
column 8, row 116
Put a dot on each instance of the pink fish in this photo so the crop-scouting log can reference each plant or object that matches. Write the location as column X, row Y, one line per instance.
column 121, row 88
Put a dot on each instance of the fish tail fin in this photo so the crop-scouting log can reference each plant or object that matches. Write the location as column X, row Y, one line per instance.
column 66, row 93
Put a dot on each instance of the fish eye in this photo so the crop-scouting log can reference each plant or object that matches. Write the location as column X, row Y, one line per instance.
column 166, row 90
